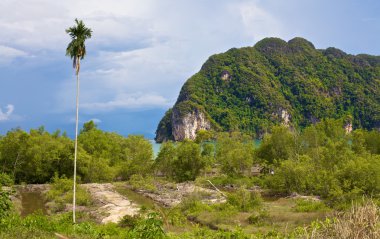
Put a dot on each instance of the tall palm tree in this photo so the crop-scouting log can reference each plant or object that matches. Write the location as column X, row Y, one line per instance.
column 77, row 50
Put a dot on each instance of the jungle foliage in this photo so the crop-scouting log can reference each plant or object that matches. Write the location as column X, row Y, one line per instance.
column 37, row 156
column 321, row 160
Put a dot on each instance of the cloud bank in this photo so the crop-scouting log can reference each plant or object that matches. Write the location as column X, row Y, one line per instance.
column 154, row 49
column 142, row 51
column 125, row 101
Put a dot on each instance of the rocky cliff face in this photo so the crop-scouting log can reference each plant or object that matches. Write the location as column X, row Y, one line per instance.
column 285, row 116
column 178, row 124
column 187, row 126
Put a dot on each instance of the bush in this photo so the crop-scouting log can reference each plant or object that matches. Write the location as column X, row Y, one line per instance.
column 137, row 181
column 245, row 200
column 5, row 204
column 192, row 206
column 188, row 163
column 5, row 180
column 175, row 217
column 149, row 228
column 129, row 221
column 61, row 193
column 258, row 218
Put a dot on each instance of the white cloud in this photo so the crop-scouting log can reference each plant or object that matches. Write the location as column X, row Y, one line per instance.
column 7, row 54
column 127, row 101
column 11, row 52
column 9, row 110
column 257, row 22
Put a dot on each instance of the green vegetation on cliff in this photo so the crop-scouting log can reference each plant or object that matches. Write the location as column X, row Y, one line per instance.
column 253, row 88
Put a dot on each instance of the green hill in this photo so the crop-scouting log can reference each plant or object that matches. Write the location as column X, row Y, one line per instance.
column 275, row 82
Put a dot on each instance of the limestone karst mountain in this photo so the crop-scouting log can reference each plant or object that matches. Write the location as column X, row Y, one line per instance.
column 275, row 82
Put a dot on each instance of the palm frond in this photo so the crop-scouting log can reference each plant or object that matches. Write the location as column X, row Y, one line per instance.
column 77, row 48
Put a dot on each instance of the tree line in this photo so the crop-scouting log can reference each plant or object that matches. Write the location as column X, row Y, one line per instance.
column 36, row 156
column 323, row 159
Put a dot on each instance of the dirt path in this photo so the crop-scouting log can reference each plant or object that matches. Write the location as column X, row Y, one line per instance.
column 115, row 206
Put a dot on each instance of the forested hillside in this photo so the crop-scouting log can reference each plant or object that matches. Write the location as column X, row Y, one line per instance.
column 276, row 82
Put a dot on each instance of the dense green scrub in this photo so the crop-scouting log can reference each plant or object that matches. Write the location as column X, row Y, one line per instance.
column 321, row 160
column 250, row 89
column 36, row 156
column 362, row 220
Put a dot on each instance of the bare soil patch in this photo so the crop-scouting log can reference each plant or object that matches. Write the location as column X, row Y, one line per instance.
column 112, row 205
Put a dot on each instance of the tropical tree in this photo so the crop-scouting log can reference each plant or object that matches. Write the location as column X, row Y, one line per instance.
column 77, row 50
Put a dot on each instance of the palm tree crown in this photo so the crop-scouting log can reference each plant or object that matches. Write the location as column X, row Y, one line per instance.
column 76, row 48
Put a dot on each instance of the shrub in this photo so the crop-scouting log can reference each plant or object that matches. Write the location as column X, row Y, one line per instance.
column 258, row 218
column 149, row 228
column 192, row 206
column 5, row 180
column 245, row 200
column 137, row 181
column 176, row 217
column 5, row 204
column 129, row 221
column 61, row 194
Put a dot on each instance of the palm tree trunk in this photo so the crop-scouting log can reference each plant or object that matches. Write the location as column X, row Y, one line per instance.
column 76, row 140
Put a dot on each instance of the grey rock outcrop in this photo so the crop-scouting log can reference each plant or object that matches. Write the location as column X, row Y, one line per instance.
column 186, row 126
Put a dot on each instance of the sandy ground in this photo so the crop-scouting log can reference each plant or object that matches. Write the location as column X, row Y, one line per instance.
column 115, row 206
column 110, row 206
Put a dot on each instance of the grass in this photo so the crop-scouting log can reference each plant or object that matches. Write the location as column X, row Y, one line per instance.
column 305, row 205
column 284, row 217
column 362, row 221
column 279, row 215
column 42, row 226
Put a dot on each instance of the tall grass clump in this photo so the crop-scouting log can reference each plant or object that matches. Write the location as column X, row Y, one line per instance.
column 361, row 222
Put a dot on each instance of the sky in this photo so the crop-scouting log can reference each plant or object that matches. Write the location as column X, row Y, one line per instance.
column 143, row 51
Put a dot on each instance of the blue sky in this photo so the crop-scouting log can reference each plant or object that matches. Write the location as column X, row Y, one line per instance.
column 142, row 51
